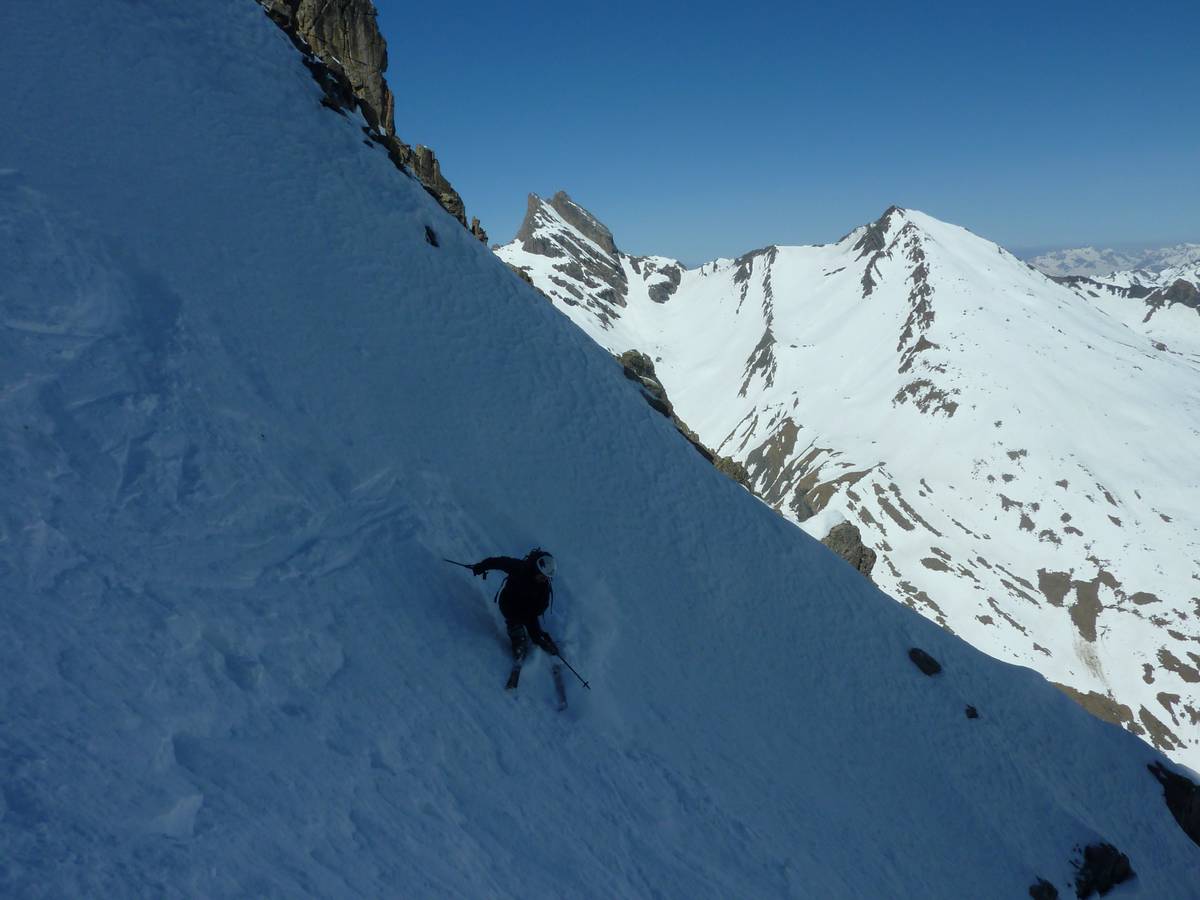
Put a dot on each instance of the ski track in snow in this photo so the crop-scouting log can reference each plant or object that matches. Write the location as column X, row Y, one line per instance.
column 246, row 409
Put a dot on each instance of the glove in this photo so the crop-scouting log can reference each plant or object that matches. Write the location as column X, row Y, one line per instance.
column 479, row 569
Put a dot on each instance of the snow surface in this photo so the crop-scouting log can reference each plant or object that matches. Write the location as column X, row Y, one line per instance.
column 1017, row 452
column 1136, row 299
column 247, row 409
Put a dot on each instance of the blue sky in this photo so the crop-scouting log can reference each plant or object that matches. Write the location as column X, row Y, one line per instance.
column 699, row 129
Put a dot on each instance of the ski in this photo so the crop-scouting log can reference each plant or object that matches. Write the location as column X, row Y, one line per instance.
column 560, row 690
column 513, row 677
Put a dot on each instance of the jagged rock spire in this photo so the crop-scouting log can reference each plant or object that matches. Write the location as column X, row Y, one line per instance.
column 344, row 34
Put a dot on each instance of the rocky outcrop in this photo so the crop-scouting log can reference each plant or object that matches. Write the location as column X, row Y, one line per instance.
column 1156, row 298
column 845, row 540
column 347, row 55
column 639, row 367
column 1182, row 292
column 923, row 661
column 1103, row 867
column 1182, row 796
column 344, row 34
column 589, row 256
column 583, row 222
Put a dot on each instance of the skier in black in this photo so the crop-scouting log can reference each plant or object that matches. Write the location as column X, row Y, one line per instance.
column 525, row 595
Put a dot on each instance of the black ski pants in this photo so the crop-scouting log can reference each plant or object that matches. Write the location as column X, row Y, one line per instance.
column 521, row 633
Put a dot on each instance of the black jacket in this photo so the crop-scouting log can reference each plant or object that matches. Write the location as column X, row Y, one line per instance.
column 524, row 596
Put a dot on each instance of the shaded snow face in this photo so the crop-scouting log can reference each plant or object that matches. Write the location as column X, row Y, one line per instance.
column 248, row 408
column 1015, row 450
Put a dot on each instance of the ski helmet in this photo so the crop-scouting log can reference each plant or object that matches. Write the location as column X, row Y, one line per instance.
column 545, row 563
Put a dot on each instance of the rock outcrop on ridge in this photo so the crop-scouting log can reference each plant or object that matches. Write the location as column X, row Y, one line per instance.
column 344, row 36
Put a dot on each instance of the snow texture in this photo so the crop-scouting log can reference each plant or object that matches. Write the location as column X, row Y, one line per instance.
column 245, row 410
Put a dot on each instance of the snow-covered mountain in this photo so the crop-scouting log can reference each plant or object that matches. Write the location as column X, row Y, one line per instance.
column 255, row 384
column 1020, row 460
column 1164, row 305
column 1093, row 261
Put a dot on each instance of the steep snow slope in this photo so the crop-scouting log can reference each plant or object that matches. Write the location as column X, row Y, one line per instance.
column 1019, row 458
column 247, row 408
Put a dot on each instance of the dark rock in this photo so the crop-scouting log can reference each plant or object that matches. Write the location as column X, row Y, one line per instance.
column 972, row 712
column 639, row 368
column 662, row 291
column 845, row 540
column 873, row 244
column 1103, row 867
column 522, row 274
column 924, row 661
column 1182, row 796
column 424, row 164
column 590, row 256
column 728, row 466
column 583, row 222
column 1043, row 890
column 874, row 237
column 1182, row 292
column 347, row 56
column 431, row 236
column 344, row 34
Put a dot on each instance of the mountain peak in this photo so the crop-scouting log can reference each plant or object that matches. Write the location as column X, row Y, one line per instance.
column 540, row 212
column 583, row 222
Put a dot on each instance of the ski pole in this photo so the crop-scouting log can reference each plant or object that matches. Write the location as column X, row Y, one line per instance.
column 573, row 672
column 471, row 569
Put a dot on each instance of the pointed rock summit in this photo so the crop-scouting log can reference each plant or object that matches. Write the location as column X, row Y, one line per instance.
column 348, row 59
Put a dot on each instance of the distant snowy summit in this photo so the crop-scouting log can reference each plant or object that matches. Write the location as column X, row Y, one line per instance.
column 1163, row 304
column 1094, row 261
column 1015, row 451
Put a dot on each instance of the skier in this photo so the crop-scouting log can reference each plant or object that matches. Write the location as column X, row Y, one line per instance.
column 525, row 595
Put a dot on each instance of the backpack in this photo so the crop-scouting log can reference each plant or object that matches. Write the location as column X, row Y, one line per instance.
column 531, row 557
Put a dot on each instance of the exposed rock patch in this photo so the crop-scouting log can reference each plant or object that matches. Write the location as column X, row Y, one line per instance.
column 1182, row 796
column 1103, row 706
column 845, row 540
column 589, row 253
column 873, row 244
column 347, row 55
column 924, row 661
column 1172, row 663
column 927, row 397
column 639, row 367
column 1103, row 867
column 1160, row 735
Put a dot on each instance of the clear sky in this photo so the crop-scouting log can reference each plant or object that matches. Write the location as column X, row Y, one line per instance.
column 704, row 129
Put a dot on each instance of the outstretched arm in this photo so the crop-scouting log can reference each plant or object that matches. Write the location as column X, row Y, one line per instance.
column 505, row 564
